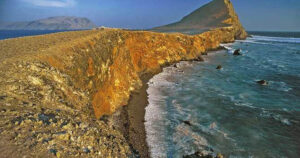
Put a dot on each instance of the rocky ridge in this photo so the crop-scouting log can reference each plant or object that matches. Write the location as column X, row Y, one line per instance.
column 56, row 89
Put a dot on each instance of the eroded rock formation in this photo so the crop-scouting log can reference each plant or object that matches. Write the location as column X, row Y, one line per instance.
column 54, row 88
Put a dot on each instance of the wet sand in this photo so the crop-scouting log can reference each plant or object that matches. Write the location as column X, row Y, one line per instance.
column 130, row 119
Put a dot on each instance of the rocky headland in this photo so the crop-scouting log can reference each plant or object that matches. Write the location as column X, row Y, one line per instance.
column 65, row 94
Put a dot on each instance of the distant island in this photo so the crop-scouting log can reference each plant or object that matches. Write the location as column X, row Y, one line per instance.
column 51, row 23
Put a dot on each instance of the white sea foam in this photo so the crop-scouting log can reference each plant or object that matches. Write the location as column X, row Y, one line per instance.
column 276, row 39
column 255, row 42
column 155, row 112
column 276, row 117
column 228, row 46
column 280, row 86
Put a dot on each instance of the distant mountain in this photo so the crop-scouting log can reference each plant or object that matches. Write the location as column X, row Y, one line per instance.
column 217, row 13
column 51, row 23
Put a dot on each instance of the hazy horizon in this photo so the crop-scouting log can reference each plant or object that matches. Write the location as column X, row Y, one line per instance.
column 255, row 15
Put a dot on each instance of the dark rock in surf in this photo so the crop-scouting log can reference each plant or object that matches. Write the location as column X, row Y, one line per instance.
column 204, row 53
column 237, row 52
column 221, row 48
column 198, row 154
column 199, row 58
column 187, row 123
column 219, row 67
column 262, row 82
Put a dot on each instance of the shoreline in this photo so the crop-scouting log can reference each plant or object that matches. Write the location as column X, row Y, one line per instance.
column 73, row 77
column 130, row 119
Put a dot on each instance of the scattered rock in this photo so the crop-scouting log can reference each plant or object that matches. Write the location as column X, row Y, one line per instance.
column 2, row 97
column 53, row 151
column 221, row 48
column 199, row 58
column 219, row 67
column 18, row 120
column 69, row 126
column 213, row 125
column 237, row 52
column 46, row 118
column 219, row 156
column 86, row 150
column 105, row 118
column 262, row 82
column 58, row 155
column 204, row 53
column 198, row 154
column 25, row 103
column 46, row 140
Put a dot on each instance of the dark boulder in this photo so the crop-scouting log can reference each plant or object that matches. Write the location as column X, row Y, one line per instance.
column 204, row 53
column 262, row 82
column 187, row 123
column 198, row 154
column 199, row 58
column 219, row 67
column 237, row 52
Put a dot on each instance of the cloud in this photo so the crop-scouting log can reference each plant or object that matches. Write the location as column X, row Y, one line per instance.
column 52, row 3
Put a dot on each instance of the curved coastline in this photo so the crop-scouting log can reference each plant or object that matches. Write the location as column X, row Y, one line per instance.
column 130, row 119
column 81, row 71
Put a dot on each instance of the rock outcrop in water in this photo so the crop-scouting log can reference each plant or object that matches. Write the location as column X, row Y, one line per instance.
column 51, row 23
column 237, row 52
column 54, row 88
column 262, row 82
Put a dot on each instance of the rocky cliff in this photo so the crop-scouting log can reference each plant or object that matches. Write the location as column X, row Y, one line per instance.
column 54, row 88
column 218, row 13
column 51, row 23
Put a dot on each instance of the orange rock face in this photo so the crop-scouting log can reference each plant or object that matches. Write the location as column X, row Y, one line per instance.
column 116, row 62
column 106, row 66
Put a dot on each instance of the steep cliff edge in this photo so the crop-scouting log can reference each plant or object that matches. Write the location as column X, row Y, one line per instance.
column 68, row 78
column 54, row 88
column 218, row 13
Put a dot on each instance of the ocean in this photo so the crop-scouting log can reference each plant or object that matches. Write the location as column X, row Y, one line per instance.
column 6, row 34
column 195, row 107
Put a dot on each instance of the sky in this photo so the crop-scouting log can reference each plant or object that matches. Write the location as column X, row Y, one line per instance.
column 255, row 15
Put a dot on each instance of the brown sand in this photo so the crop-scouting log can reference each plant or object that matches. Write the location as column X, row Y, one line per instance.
column 130, row 119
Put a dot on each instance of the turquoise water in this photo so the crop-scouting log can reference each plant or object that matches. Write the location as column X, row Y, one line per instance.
column 228, row 111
